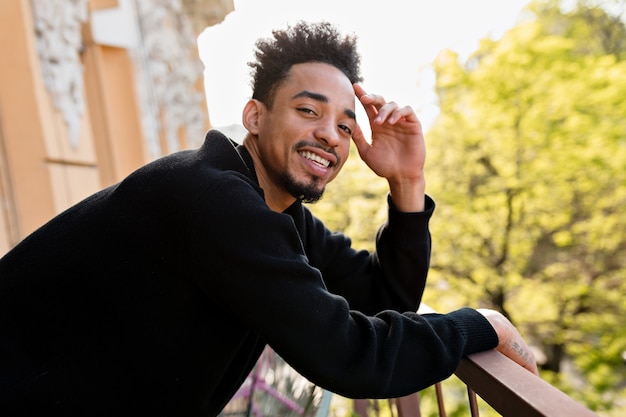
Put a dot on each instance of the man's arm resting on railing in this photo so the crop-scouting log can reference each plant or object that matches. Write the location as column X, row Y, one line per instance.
column 510, row 342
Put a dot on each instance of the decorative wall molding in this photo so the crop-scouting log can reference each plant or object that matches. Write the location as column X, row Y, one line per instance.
column 170, row 63
column 204, row 13
column 59, row 43
column 168, row 66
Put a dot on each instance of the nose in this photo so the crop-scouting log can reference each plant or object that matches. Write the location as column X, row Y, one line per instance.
column 327, row 133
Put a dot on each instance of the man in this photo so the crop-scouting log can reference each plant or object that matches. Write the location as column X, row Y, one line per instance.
column 157, row 295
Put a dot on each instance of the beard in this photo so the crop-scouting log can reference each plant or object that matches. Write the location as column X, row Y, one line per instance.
column 306, row 193
column 313, row 190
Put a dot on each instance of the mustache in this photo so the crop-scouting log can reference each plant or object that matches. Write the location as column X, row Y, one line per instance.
column 310, row 144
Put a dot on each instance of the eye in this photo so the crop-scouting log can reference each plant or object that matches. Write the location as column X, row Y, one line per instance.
column 306, row 110
column 346, row 129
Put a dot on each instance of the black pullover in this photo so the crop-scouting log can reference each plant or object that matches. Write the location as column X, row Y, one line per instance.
column 155, row 297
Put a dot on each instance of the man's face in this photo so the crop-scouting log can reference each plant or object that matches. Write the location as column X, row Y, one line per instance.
column 304, row 139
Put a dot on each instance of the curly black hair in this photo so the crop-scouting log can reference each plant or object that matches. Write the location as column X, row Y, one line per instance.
column 302, row 43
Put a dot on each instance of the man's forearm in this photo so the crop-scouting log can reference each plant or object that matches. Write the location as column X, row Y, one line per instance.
column 408, row 195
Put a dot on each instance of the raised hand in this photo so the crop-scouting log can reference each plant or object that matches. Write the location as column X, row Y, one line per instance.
column 396, row 150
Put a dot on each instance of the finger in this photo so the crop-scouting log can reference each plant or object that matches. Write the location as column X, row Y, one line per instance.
column 359, row 140
column 401, row 113
column 386, row 113
column 407, row 113
column 370, row 110
column 375, row 100
column 363, row 96
column 372, row 103
column 358, row 90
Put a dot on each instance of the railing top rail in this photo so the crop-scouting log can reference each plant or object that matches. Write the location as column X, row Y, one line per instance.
column 513, row 391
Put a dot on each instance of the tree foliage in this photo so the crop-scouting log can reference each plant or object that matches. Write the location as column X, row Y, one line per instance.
column 528, row 165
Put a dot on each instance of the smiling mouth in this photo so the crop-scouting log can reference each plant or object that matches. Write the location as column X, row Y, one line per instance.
column 315, row 158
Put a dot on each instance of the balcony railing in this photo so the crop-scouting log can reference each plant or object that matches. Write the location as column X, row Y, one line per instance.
column 503, row 385
column 508, row 388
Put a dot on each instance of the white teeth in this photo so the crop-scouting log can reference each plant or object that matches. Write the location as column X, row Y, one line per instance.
column 316, row 158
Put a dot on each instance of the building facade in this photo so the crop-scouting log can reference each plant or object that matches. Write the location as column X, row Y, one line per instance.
column 89, row 91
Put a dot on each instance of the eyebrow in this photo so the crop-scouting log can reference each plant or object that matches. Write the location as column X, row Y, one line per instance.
column 323, row 99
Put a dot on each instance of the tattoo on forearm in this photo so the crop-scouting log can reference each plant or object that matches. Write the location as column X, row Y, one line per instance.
column 519, row 349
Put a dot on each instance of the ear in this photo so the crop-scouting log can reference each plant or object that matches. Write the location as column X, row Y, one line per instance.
column 251, row 115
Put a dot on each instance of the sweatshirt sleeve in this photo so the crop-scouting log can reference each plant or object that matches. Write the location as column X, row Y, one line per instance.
column 393, row 277
column 251, row 261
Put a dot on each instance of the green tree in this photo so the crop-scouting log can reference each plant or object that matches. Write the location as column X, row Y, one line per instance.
column 527, row 161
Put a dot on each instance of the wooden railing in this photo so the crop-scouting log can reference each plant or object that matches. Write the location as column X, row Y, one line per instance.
column 505, row 386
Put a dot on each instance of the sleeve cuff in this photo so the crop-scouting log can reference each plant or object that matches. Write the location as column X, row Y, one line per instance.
column 478, row 333
column 429, row 208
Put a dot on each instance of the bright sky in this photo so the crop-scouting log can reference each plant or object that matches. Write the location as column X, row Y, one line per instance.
column 397, row 39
